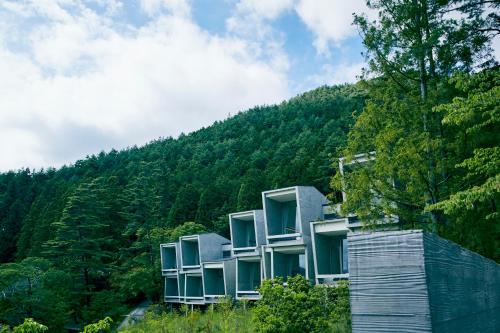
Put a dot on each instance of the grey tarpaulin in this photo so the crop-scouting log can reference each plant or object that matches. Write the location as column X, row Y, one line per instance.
column 410, row 281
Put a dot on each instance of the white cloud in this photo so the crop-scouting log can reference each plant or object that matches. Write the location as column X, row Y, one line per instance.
column 264, row 8
column 338, row 74
column 330, row 20
column 176, row 7
column 251, row 21
column 495, row 44
column 80, row 84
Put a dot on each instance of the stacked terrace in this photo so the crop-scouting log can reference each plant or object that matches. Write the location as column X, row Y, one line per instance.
column 174, row 288
column 170, row 258
column 297, row 232
column 219, row 279
column 248, row 237
column 288, row 213
column 329, row 244
column 196, row 249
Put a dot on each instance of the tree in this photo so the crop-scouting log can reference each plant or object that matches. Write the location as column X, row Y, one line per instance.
column 83, row 242
column 33, row 288
column 187, row 228
column 184, row 207
column 249, row 195
column 102, row 326
column 298, row 306
column 475, row 118
column 30, row 326
column 413, row 48
column 140, row 210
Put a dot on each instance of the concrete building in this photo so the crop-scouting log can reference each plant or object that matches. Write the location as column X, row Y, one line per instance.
column 248, row 238
column 248, row 232
column 287, row 215
column 219, row 280
column 170, row 258
column 330, row 251
column 196, row 249
column 174, row 287
column 399, row 280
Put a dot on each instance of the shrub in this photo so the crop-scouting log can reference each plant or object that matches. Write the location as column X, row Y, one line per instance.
column 297, row 306
column 102, row 326
column 217, row 318
column 30, row 326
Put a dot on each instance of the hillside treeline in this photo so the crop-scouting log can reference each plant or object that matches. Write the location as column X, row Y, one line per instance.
column 85, row 237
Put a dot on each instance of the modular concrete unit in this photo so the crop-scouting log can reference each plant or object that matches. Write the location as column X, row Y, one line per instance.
column 193, row 288
column 288, row 212
column 329, row 244
column 170, row 258
column 174, row 288
column 287, row 259
column 248, row 277
column 410, row 281
column 196, row 249
column 247, row 231
column 219, row 280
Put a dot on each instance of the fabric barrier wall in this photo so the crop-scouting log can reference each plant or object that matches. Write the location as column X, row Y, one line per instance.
column 410, row 281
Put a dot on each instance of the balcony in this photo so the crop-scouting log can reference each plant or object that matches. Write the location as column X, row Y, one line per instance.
column 169, row 258
column 190, row 252
column 249, row 276
column 193, row 289
column 172, row 289
column 330, row 249
column 288, row 212
column 247, row 231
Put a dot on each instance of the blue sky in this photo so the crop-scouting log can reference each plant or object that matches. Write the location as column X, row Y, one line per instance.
column 81, row 76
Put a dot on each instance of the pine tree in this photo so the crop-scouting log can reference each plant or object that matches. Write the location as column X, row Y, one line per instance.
column 82, row 238
column 413, row 48
column 184, row 207
column 474, row 118
column 140, row 210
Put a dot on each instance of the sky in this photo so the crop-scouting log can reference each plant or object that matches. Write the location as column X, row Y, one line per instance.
column 82, row 76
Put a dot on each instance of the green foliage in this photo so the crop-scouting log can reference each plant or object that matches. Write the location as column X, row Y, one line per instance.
column 102, row 326
column 33, row 288
column 472, row 206
column 435, row 139
column 187, row 228
column 30, row 326
column 99, row 222
column 221, row 318
column 297, row 306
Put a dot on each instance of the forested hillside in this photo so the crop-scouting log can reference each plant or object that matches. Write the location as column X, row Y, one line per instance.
column 94, row 227
column 81, row 242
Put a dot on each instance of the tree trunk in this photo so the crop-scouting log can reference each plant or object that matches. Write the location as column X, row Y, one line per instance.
column 420, row 11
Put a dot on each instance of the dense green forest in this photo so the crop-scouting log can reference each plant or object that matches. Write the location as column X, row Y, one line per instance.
column 81, row 242
column 94, row 227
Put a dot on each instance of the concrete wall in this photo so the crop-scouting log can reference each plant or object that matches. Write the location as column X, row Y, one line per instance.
column 310, row 203
column 464, row 288
column 211, row 246
column 230, row 277
column 408, row 281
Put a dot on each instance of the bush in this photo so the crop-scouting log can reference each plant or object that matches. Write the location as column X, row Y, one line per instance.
column 218, row 318
column 297, row 306
column 30, row 326
column 102, row 326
